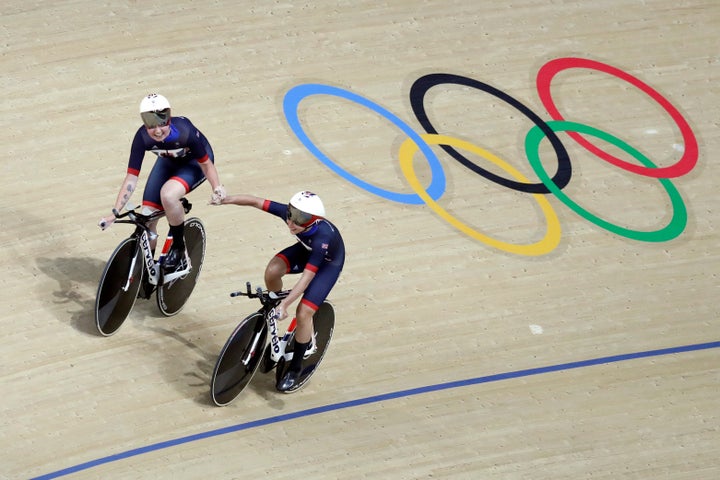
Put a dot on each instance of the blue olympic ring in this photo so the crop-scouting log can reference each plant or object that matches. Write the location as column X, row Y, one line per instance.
column 290, row 107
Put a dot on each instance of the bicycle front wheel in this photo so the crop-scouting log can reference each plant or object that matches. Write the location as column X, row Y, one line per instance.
column 239, row 359
column 172, row 296
column 112, row 303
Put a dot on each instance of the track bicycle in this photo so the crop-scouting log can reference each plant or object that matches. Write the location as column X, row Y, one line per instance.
column 256, row 345
column 133, row 272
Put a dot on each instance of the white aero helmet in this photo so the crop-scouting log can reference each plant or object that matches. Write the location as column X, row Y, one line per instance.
column 305, row 208
column 155, row 110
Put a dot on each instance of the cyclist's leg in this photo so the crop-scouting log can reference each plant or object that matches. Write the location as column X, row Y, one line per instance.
column 290, row 260
column 314, row 295
column 276, row 268
column 170, row 194
column 184, row 180
column 161, row 171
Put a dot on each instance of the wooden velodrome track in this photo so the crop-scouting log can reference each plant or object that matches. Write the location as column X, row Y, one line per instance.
column 592, row 351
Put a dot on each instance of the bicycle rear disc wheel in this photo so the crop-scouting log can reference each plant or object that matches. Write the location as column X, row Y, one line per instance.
column 238, row 360
column 324, row 325
column 112, row 304
column 172, row 296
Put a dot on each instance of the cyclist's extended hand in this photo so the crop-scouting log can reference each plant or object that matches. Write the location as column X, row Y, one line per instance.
column 218, row 195
column 105, row 222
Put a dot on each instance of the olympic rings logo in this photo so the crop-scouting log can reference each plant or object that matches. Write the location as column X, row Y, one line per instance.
column 549, row 184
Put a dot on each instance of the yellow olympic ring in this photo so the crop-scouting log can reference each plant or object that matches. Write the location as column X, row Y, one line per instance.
column 546, row 245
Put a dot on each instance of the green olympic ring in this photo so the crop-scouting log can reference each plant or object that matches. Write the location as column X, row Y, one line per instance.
column 671, row 230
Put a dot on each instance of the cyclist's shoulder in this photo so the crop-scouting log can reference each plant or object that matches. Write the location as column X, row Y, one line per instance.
column 182, row 121
column 328, row 227
column 326, row 234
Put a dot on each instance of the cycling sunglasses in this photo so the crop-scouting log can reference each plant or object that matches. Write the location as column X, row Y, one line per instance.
column 298, row 217
column 159, row 118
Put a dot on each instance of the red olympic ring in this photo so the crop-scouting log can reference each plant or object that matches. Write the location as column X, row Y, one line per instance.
column 690, row 155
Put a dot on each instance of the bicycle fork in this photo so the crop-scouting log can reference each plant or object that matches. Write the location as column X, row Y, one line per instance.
column 252, row 348
column 150, row 265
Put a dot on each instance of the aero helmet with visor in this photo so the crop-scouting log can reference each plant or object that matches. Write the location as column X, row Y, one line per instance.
column 155, row 111
column 305, row 208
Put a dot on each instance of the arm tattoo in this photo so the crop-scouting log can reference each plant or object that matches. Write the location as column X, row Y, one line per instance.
column 126, row 196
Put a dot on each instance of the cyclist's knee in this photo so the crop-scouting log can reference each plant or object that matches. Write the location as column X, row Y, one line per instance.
column 172, row 191
column 274, row 273
column 304, row 314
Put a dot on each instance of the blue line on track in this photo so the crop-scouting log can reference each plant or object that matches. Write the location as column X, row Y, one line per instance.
column 375, row 399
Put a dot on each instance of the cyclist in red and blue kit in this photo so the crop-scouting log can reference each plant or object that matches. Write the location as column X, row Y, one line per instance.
column 319, row 255
column 184, row 160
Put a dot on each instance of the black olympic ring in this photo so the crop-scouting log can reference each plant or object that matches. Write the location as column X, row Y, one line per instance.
column 417, row 101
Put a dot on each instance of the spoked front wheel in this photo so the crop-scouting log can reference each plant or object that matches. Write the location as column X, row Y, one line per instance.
column 118, row 287
column 324, row 324
column 172, row 296
column 239, row 359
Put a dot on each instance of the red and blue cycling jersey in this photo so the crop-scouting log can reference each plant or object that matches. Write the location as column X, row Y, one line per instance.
column 178, row 157
column 184, row 144
column 319, row 249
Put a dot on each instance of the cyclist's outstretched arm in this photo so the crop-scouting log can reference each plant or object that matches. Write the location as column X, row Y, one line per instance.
column 126, row 191
column 244, row 200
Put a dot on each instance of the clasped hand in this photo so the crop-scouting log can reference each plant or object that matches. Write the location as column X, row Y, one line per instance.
column 218, row 195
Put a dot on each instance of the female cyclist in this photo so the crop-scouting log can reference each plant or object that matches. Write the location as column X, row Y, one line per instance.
column 184, row 160
column 318, row 255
